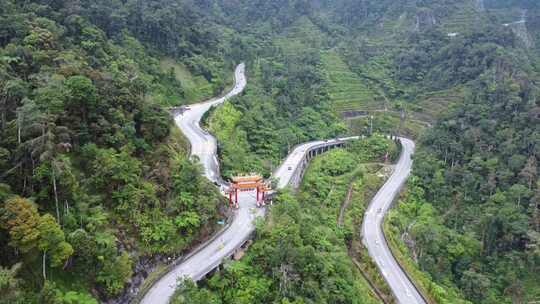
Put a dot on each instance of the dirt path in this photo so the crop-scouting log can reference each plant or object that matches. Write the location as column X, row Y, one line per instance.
column 345, row 205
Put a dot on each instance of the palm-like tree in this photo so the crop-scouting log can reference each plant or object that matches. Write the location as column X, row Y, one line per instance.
column 46, row 142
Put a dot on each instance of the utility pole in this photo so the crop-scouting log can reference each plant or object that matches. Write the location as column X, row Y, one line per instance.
column 402, row 117
column 370, row 125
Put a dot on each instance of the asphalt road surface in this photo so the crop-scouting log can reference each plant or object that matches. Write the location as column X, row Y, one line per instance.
column 205, row 258
column 372, row 234
column 208, row 256
column 203, row 147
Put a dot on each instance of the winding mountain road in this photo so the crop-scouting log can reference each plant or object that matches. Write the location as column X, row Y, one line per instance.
column 373, row 236
column 204, row 147
column 222, row 246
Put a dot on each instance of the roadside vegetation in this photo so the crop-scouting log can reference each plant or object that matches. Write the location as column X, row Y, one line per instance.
column 399, row 238
column 96, row 188
column 95, row 180
column 284, row 105
column 469, row 220
column 472, row 216
column 300, row 252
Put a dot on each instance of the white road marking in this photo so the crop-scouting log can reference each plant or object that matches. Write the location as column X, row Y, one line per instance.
column 204, row 147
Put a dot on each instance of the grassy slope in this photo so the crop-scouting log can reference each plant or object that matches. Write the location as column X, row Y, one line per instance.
column 461, row 18
column 387, row 122
column 383, row 42
column 196, row 88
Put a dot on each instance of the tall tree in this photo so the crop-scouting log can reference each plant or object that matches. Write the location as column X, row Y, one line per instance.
column 52, row 241
column 21, row 219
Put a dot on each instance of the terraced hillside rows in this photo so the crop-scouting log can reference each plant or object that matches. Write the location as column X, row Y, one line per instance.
column 347, row 90
column 301, row 35
column 461, row 18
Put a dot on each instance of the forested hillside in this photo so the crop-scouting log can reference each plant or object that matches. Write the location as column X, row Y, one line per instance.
column 94, row 178
column 96, row 188
column 474, row 222
column 469, row 221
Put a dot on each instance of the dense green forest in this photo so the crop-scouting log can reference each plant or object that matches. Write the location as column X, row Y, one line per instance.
column 479, row 191
column 96, row 187
column 93, row 176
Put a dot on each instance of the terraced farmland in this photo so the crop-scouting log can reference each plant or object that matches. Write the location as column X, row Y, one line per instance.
column 299, row 36
column 460, row 19
column 347, row 90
